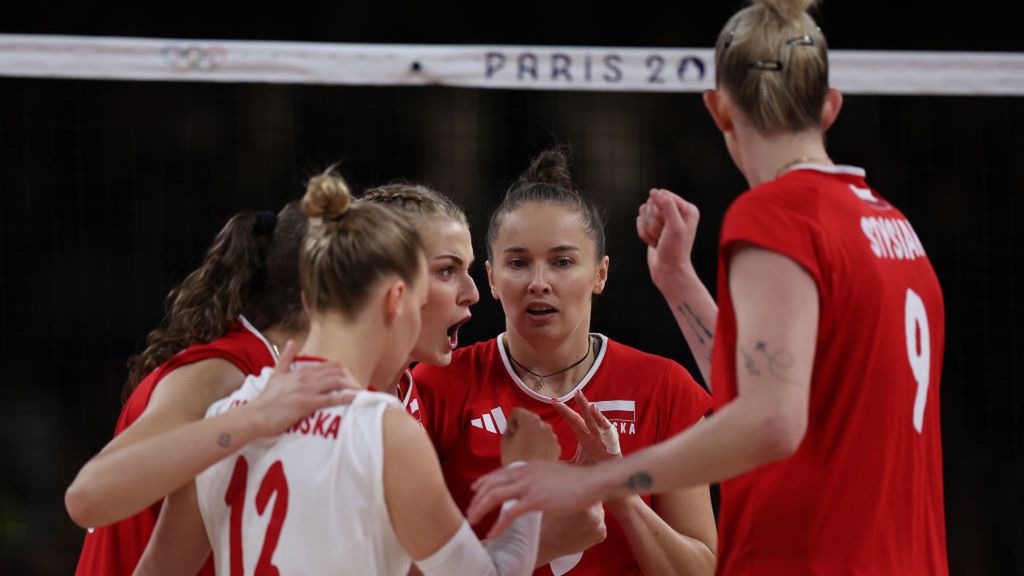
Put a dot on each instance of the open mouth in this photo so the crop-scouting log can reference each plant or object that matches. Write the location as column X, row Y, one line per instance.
column 540, row 310
column 453, row 332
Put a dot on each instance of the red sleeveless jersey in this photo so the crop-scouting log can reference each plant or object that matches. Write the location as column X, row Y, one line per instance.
column 114, row 550
column 863, row 492
column 465, row 406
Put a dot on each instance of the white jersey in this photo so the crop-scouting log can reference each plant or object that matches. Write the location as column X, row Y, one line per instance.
column 309, row 501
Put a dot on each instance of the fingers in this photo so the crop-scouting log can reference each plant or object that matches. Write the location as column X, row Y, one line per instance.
column 507, row 518
column 575, row 421
column 337, row 398
column 284, row 361
column 587, row 410
column 649, row 223
column 669, row 209
column 491, row 490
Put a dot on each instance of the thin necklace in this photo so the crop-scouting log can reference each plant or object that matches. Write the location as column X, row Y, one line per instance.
column 540, row 377
column 802, row 160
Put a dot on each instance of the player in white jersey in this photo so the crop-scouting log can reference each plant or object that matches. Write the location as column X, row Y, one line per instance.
column 333, row 493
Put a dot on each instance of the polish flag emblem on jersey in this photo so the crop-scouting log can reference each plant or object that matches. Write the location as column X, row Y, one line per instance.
column 493, row 421
column 621, row 413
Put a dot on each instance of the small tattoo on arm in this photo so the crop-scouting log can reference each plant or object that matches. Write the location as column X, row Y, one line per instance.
column 779, row 361
column 639, row 481
column 704, row 334
column 748, row 362
column 224, row 440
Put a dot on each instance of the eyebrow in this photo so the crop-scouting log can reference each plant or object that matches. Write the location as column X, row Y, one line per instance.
column 452, row 257
column 565, row 248
column 562, row 248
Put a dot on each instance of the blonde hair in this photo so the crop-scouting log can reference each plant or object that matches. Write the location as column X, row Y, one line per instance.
column 772, row 60
column 350, row 245
column 416, row 201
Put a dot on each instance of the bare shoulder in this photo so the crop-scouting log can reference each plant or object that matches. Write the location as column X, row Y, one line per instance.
column 192, row 388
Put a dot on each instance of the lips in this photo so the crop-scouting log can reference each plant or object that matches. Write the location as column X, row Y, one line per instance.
column 540, row 310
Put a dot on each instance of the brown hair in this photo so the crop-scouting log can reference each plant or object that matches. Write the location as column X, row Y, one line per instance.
column 416, row 201
column 548, row 179
column 772, row 59
column 350, row 245
column 251, row 268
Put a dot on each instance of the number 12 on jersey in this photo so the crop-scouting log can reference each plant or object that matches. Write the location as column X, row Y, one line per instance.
column 274, row 482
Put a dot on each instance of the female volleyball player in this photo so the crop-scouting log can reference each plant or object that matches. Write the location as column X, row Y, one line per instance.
column 355, row 489
column 225, row 321
column 546, row 261
column 121, row 482
column 829, row 342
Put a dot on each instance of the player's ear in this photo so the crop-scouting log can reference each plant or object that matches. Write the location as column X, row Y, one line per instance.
column 392, row 303
column 490, row 280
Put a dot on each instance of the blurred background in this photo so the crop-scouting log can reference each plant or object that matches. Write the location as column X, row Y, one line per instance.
column 111, row 191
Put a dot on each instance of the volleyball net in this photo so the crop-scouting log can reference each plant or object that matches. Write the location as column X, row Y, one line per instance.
column 499, row 67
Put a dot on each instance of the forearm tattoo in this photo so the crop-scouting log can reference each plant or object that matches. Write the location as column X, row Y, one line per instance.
column 639, row 481
column 224, row 440
column 704, row 334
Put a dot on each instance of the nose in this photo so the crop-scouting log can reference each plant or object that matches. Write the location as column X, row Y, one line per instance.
column 469, row 294
column 539, row 282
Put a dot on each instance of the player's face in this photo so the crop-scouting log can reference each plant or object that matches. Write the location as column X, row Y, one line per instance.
column 450, row 289
column 545, row 272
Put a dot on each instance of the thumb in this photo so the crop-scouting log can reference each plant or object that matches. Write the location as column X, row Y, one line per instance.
column 284, row 361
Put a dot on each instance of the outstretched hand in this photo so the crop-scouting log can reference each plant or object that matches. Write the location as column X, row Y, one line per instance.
column 668, row 225
column 548, row 486
column 293, row 394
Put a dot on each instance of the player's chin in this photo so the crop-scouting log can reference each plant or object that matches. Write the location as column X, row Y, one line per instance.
column 438, row 355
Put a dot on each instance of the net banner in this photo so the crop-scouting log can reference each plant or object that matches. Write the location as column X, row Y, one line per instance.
column 499, row 67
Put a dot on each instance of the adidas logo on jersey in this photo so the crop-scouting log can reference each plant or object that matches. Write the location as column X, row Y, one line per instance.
column 493, row 421
column 621, row 413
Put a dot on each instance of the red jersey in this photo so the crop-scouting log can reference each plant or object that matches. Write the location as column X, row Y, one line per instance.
column 863, row 492
column 466, row 404
column 114, row 550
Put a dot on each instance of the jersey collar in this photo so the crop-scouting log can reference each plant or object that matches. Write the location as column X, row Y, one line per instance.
column 547, row 399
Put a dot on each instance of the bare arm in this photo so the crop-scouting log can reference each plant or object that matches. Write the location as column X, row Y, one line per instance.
column 179, row 544
column 171, row 442
column 668, row 225
column 144, row 463
column 676, row 534
column 422, row 512
column 776, row 304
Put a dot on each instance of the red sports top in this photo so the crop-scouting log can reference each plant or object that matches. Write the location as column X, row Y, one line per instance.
column 863, row 492
column 465, row 406
column 114, row 550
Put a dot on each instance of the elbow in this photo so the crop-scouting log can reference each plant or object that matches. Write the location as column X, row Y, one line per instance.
column 779, row 434
column 77, row 504
column 81, row 508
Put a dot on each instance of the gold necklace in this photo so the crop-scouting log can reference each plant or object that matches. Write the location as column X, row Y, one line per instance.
column 540, row 377
column 802, row 160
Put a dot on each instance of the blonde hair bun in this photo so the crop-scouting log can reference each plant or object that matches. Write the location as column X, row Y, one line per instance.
column 327, row 196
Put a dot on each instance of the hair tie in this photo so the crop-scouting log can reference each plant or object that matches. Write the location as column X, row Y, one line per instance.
column 265, row 223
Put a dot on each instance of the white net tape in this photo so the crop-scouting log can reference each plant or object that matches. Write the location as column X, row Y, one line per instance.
column 506, row 67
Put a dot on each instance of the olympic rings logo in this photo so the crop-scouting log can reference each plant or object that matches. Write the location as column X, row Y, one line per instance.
column 193, row 58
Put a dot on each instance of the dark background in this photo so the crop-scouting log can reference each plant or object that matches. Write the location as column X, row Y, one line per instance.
column 111, row 191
